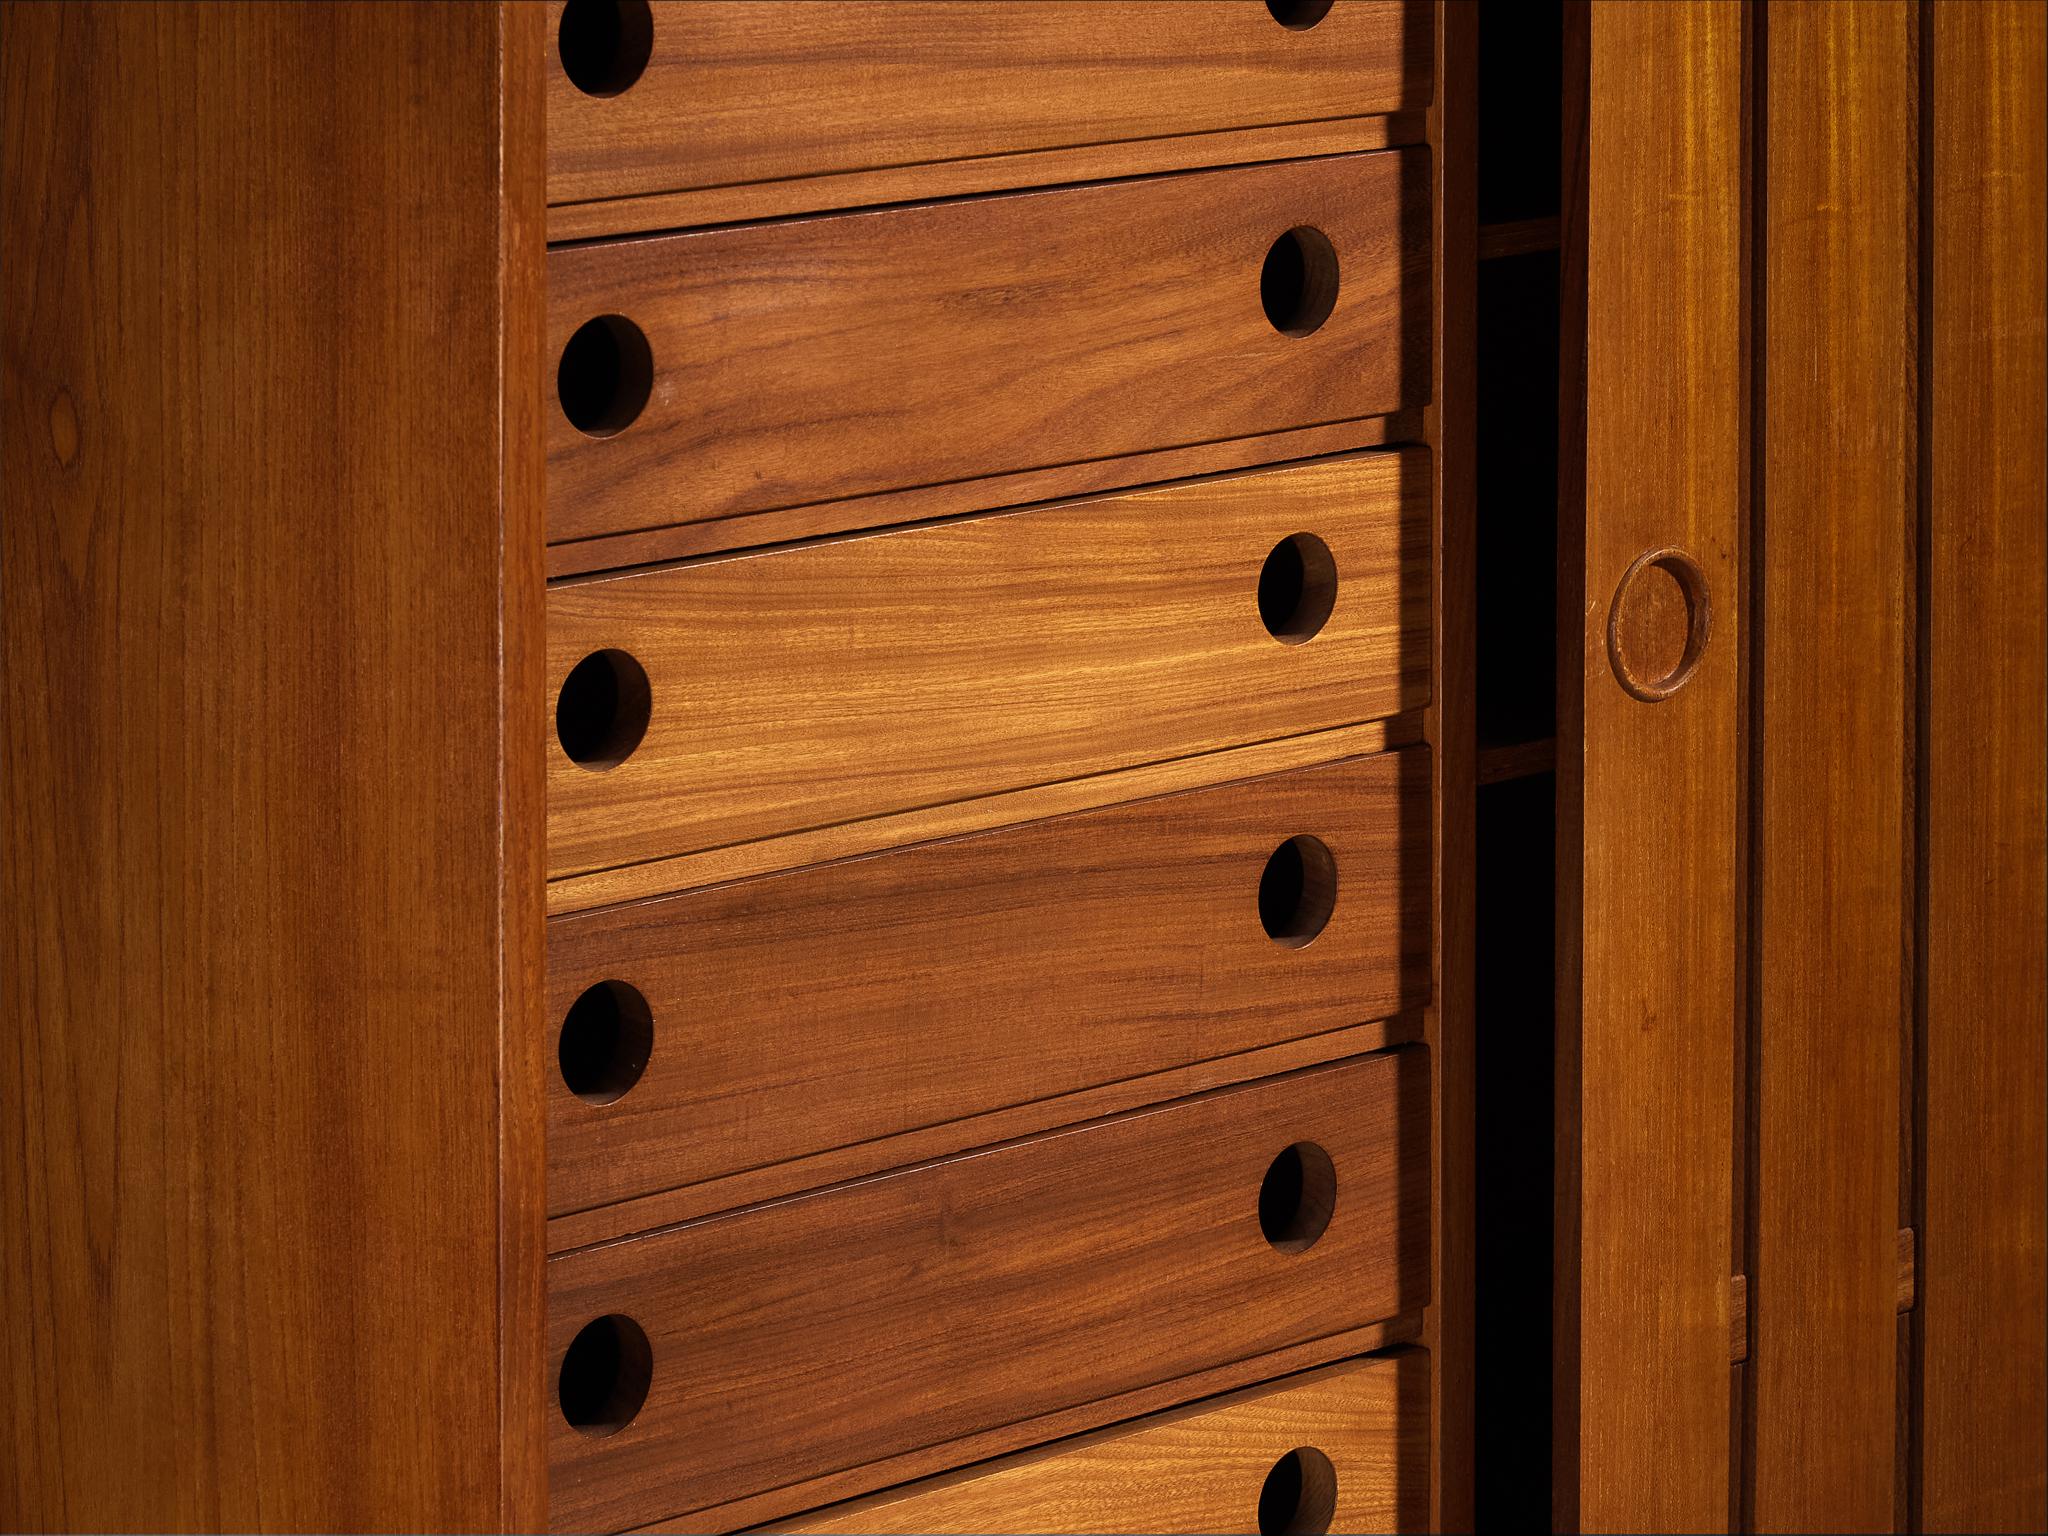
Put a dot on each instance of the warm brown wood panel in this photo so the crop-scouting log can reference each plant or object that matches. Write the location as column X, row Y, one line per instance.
column 661, row 212
column 854, row 677
column 270, row 1251
column 872, row 998
column 1647, row 790
column 836, row 1329
column 1836, row 378
column 1451, row 730
column 958, row 818
column 821, row 359
column 960, row 498
column 1200, row 1469
column 1982, row 1335
column 736, row 93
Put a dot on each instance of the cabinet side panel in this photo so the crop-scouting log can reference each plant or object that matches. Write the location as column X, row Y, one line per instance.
column 254, row 610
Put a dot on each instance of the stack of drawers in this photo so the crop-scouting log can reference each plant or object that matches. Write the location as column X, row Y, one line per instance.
column 989, row 829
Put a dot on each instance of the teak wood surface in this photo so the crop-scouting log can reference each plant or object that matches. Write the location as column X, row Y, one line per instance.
column 877, row 997
column 1450, row 728
column 1196, row 1469
column 850, row 678
column 702, row 207
column 835, row 1329
column 950, row 96
column 270, row 1186
column 1835, row 389
column 928, row 503
column 815, row 360
column 1648, row 791
column 1982, row 1320
column 957, row 818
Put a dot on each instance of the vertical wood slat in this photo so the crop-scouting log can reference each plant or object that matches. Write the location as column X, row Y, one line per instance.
column 1983, row 1265
column 1448, row 1325
column 1647, row 792
column 268, row 880
column 525, row 1394
column 1837, row 433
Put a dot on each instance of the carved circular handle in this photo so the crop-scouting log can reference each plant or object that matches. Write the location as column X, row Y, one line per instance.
column 1661, row 606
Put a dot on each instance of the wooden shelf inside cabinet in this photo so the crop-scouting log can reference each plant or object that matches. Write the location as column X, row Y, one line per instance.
column 1518, row 237
column 1517, row 760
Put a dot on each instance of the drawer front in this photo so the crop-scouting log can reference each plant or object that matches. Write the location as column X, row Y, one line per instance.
column 721, row 94
column 781, row 364
column 812, row 686
column 873, row 998
column 1344, row 1449
column 822, row 1333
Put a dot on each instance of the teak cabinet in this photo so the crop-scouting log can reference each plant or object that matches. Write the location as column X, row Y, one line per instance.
column 1033, row 765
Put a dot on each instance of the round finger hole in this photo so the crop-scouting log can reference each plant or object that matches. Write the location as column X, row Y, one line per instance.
column 1299, row 1496
column 1659, row 623
column 604, row 44
column 1297, row 588
column 1298, row 15
column 605, row 376
column 1297, row 891
column 601, row 712
column 1298, row 284
column 1297, row 1196
column 607, row 1038
column 605, row 1375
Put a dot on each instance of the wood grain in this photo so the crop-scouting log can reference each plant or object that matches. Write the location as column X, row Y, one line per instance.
column 1836, row 371
column 657, row 212
column 1983, row 1273
column 522, row 803
column 813, row 360
column 859, row 1160
column 636, row 882
column 874, row 998
column 1647, row 794
column 928, row 503
column 1450, row 723
column 1575, row 49
column 832, row 1330
column 1196, row 1469
column 270, row 1252
column 741, row 93
column 1026, row 1434
column 851, row 678
column 1738, row 1305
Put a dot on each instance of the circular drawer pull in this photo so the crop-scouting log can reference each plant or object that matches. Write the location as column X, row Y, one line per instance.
column 1298, row 284
column 603, row 708
column 607, row 1038
column 1298, row 891
column 1299, row 1496
column 1298, row 15
column 1297, row 588
column 1297, row 1197
column 605, row 1375
column 1659, row 623
column 605, row 44
column 605, row 376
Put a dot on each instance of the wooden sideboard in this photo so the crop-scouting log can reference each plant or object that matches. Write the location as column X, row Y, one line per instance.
column 1063, row 765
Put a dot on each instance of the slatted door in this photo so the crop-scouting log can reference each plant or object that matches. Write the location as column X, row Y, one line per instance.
column 1802, row 1195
